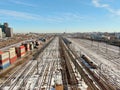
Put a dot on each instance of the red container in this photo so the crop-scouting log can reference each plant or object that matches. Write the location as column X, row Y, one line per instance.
column 12, row 55
column 3, row 61
column 27, row 46
column 20, row 51
column 12, row 60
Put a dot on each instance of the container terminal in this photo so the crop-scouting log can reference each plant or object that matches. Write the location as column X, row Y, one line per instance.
column 59, row 62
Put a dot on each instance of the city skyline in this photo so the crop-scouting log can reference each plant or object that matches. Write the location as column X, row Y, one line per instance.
column 61, row 16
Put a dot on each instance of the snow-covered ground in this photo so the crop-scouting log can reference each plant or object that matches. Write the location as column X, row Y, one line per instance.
column 108, row 59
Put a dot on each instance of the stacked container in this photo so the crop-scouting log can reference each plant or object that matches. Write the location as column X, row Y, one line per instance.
column 12, row 55
column 37, row 43
column 31, row 46
column 34, row 44
column 20, row 51
column 27, row 46
column 4, row 60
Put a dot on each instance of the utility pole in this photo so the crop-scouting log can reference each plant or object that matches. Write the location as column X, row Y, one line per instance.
column 106, row 47
column 119, row 48
column 100, row 68
column 98, row 44
column 37, row 68
column 91, row 42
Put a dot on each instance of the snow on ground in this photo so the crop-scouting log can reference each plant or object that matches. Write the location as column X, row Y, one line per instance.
column 110, row 60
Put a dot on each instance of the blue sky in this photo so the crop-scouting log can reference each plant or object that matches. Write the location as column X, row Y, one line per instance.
column 61, row 15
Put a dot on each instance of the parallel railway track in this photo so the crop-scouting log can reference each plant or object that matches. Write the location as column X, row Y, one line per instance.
column 90, row 78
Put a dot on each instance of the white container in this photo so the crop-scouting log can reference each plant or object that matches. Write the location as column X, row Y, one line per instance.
column 5, row 63
column 4, row 55
column 12, row 52
column 22, row 50
column 31, row 47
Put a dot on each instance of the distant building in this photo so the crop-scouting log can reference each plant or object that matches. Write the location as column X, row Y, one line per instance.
column 9, row 32
column 117, row 35
column 1, row 33
column 96, row 36
column 6, row 31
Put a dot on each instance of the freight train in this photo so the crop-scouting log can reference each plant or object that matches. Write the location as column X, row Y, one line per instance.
column 66, row 41
column 10, row 56
column 90, row 64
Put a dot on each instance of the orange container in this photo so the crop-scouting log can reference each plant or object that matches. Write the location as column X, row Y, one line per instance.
column 59, row 87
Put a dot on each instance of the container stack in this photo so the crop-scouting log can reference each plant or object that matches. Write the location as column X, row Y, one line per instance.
column 12, row 55
column 31, row 46
column 27, row 46
column 20, row 51
column 4, row 60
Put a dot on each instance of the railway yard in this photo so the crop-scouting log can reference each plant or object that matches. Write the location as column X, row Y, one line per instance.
column 67, row 64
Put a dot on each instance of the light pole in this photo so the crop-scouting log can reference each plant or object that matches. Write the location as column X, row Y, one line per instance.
column 100, row 67
column 91, row 42
column 98, row 44
column 37, row 67
column 106, row 46
column 119, row 48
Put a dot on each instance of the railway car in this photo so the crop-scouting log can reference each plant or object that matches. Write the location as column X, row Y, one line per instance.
column 92, row 65
column 66, row 41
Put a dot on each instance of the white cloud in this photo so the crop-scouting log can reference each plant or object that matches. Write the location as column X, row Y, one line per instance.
column 51, row 18
column 17, row 14
column 97, row 3
column 22, row 3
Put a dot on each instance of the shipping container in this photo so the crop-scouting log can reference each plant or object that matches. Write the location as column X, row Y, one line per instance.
column 4, row 66
column 31, row 46
column 37, row 43
column 12, row 60
column 4, row 55
column 12, row 55
column 20, row 51
column 27, row 46
column 59, row 87
column 4, row 60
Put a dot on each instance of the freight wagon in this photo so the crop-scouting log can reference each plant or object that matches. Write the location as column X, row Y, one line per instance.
column 66, row 41
column 90, row 63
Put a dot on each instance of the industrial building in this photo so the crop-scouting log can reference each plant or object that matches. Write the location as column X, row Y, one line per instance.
column 5, row 31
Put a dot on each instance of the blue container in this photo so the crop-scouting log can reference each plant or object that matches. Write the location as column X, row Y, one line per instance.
column 4, row 66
